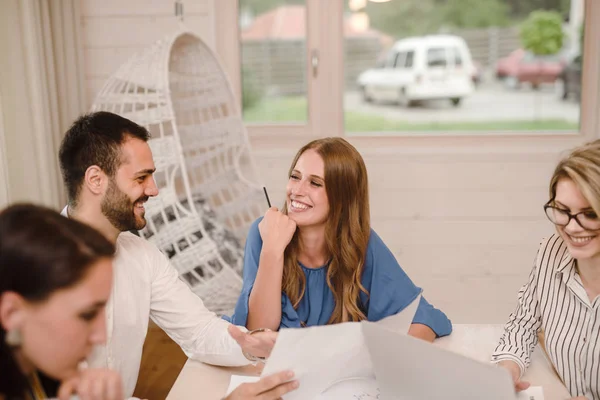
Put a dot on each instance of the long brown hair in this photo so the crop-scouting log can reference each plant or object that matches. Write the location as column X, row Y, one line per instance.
column 582, row 166
column 347, row 230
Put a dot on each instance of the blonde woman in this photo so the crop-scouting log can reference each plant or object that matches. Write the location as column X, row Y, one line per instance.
column 318, row 261
column 561, row 294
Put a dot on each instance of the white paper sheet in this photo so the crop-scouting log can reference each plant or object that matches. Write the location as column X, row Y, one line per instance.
column 323, row 355
column 237, row 380
column 351, row 389
column 358, row 389
column 532, row 393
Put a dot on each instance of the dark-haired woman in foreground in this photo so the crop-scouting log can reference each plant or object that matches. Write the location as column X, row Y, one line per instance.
column 55, row 279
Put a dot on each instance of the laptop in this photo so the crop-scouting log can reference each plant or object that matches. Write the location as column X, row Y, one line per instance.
column 409, row 369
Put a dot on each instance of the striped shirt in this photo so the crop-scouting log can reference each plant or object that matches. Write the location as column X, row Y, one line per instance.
column 555, row 301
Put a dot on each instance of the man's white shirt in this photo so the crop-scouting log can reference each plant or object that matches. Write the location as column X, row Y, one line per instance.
column 146, row 285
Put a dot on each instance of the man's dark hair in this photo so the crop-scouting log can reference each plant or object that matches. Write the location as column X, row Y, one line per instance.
column 95, row 139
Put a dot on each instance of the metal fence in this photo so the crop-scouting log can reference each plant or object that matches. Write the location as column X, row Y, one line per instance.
column 279, row 67
column 489, row 45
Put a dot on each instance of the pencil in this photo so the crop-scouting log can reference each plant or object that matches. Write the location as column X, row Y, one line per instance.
column 267, row 196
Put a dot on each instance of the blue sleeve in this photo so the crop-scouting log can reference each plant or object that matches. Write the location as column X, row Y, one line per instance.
column 391, row 290
column 289, row 317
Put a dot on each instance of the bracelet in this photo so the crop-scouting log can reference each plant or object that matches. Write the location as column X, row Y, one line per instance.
column 249, row 356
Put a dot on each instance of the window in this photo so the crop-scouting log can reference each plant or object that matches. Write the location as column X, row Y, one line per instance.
column 391, row 59
column 436, row 57
column 457, row 57
column 400, row 60
column 273, row 49
column 409, row 59
column 501, row 93
column 496, row 84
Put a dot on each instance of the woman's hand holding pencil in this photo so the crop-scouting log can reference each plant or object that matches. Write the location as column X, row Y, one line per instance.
column 276, row 230
column 267, row 196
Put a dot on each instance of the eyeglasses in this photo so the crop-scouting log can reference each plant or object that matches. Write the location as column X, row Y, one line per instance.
column 588, row 220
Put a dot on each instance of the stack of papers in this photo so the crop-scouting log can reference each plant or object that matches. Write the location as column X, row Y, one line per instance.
column 339, row 362
column 365, row 389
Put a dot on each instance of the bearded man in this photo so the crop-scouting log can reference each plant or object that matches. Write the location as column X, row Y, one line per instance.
column 107, row 167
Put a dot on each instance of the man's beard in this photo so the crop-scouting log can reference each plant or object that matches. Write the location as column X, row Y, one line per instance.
column 119, row 210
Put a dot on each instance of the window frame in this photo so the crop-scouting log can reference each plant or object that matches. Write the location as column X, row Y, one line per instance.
column 326, row 115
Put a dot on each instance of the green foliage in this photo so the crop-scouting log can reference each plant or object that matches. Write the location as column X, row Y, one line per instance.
column 252, row 92
column 294, row 109
column 279, row 109
column 542, row 33
column 417, row 17
column 520, row 9
column 404, row 18
column 475, row 13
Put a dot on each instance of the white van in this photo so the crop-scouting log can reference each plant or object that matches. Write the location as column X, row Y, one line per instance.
column 421, row 68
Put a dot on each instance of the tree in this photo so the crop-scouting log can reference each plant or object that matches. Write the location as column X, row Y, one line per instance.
column 542, row 33
column 404, row 18
column 520, row 9
column 475, row 13
column 418, row 17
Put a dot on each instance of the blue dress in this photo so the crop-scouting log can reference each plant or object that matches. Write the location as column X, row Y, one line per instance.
column 390, row 290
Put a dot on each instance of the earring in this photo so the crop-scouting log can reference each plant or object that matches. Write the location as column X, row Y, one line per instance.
column 13, row 338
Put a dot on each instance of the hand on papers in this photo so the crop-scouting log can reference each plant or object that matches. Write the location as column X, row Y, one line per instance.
column 267, row 388
column 93, row 384
column 276, row 230
column 259, row 344
column 515, row 372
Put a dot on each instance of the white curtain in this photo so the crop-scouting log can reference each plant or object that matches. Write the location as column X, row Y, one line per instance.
column 41, row 85
column 4, row 199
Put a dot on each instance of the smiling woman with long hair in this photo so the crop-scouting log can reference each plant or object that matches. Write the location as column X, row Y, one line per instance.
column 318, row 261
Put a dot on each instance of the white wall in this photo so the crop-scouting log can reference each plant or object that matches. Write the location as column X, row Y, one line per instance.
column 465, row 225
column 114, row 29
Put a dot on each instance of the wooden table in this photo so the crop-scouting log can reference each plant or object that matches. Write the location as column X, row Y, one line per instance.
column 206, row 382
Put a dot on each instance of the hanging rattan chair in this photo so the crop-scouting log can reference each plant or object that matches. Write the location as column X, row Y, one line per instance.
column 204, row 169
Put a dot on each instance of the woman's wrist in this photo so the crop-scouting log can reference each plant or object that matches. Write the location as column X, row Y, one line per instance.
column 272, row 250
column 512, row 367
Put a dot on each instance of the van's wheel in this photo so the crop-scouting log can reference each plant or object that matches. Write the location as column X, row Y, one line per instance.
column 403, row 99
column 455, row 101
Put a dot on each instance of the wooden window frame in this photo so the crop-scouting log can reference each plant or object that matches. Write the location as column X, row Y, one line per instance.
column 326, row 115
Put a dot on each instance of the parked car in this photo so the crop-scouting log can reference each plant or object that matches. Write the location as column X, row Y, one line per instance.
column 522, row 66
column 569, row 80
column 509, row 65
column 421, row 68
